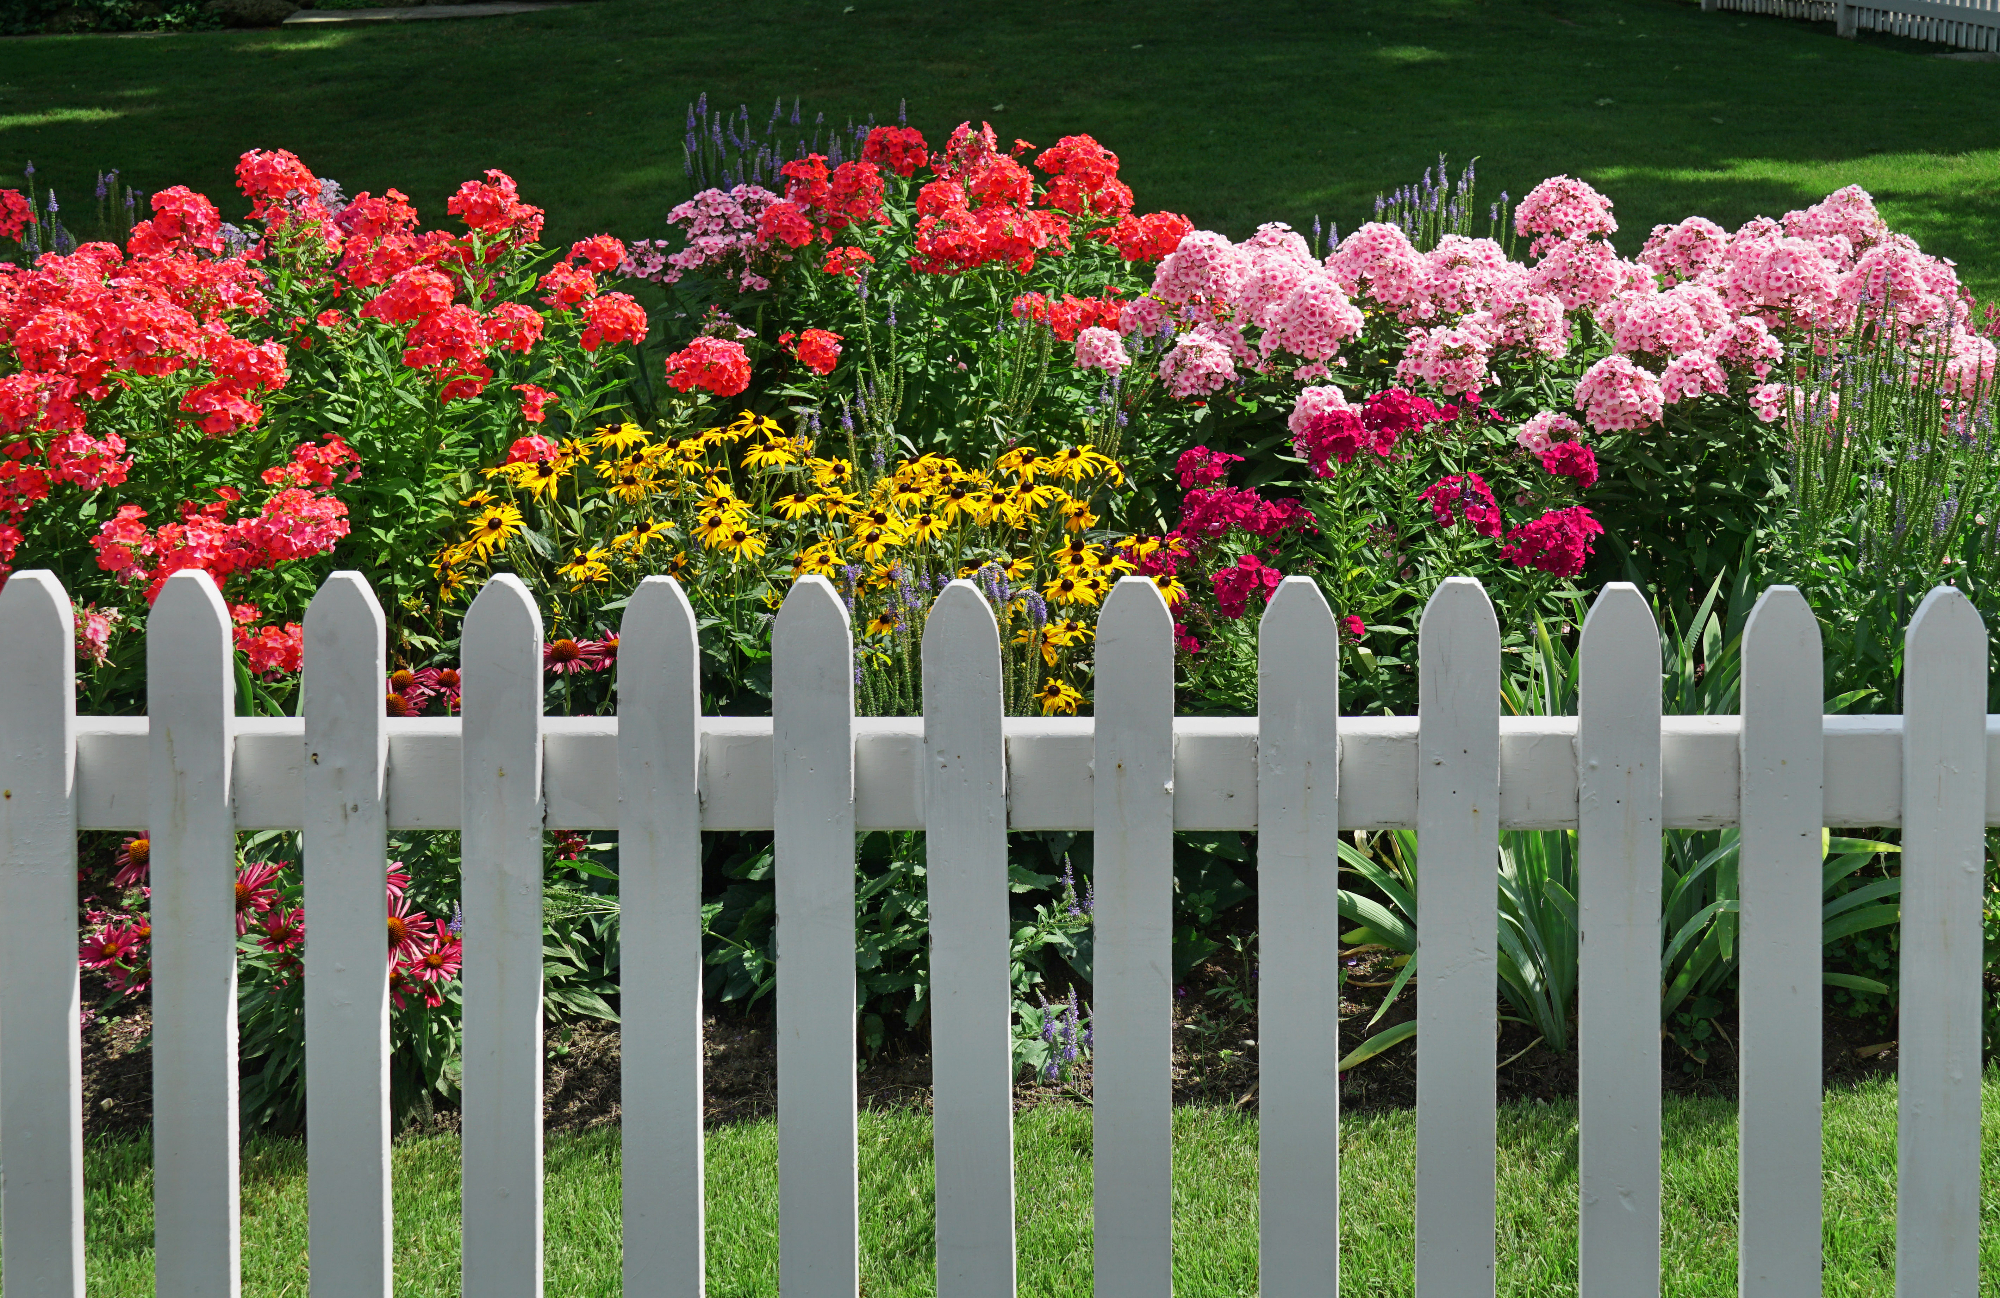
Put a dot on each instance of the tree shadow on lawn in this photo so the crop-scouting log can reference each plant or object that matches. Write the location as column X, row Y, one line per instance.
column 1234, row 116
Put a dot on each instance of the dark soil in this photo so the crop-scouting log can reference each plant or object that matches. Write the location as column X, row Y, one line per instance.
column 1215, row 1061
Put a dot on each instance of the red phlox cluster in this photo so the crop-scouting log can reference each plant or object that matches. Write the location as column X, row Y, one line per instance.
column 16, row 214
column 979, row 211
column 817, row 349
column 1070, row 315
column 899, row 148
column 1557, row 543
column 1574, row 461
column 1146, row 238
column 1209, row 513
column 718, row 365
column 493, row 208
column 1198, row 466
column 1234, row 586
column 1464, row 495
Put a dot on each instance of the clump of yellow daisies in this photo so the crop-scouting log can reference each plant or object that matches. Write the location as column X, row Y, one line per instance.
column 739, row 511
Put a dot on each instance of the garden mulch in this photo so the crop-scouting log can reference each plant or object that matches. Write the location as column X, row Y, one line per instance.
column 1215, row 1062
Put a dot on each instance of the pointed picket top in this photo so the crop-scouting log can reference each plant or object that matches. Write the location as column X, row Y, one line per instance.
column 1458, row 832
column 191, row 698
column 1298, row 1008
column 501, row 844
column 659, row 855
column 1944, row 813
column 1136, row 609
column 1618, row 905
column 346, row 823
column 1782, row 763
column 40, row 1075
column 812, row 724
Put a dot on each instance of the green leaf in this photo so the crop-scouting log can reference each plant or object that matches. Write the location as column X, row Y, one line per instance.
column 1376, row 1044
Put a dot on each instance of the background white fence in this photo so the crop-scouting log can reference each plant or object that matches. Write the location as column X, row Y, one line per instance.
column 193, row 774
column 1968, row 24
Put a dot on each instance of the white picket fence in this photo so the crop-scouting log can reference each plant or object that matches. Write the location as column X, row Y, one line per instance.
column 1967, row 24
column 193, row 774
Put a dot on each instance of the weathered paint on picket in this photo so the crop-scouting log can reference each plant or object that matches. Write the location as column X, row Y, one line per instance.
column 1298, row 944
column 1132, row 946
column 1778, row 1001
column 1944, row 859
column 501, row 881
column 1458, row 968
column 41, row 1104
column 812, row 718
column 965, row 855
column 659, row 926
column 1618, row 960
column 346, row 830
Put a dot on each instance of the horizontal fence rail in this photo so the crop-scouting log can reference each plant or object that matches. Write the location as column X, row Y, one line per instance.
column 1048, row 772
column 193, row 775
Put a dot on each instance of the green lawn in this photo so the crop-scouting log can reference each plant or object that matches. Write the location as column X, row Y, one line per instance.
column 1235, row 114
column 1215, row 1178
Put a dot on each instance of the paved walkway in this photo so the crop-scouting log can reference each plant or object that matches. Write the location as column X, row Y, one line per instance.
column 412, row 13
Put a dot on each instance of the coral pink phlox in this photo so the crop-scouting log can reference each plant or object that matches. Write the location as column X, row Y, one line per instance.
column 1234, row 586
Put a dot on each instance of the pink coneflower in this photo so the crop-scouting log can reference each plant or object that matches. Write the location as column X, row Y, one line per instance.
column 284, row 930
column 113, row 945
column 406, row 928
column 134, row 859
column 400, row 984
column 398, row 880
column 566, row 657
column 130, row 981
column 442, row 682
column 438, row 962
column 253, row 893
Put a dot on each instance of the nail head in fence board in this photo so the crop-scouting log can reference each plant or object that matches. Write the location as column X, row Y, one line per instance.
column 1618, row 909
column 1944, row 850
column 346, row 826
column 41, row 1181
column 812, row 719
column 1132, row 1007
column 1782, row 764
column 1298, row 898
column 191, row 702
column 659, row 887
column 1458, row 833
column 965, row 807
column 501, row 845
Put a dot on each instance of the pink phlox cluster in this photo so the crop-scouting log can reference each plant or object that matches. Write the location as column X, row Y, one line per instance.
column 1689, row 250
column 1571, row 460
column 1544, row 429
column 1561, row 208
column 1453, row 360
column 1747, row 344
column 1674, row 320
column 1464, row 495
column 1205, row 268
column 1379, row 260
column 94, row 628
column 1898, row 284
column 1202, row 361
column 1098, row 348
column 1314, row 319
column 1691, row 375
column 1767, row 401
column 1968, row 370
column 1579, row 273
column 1396, row 413
column 1268, row 283
column 1234, row 586
column 1557, row 543
column 1198, row 466
column 1617, row 394
column 1462, row 275
column 1785, row 280
column 1529, row 321
column 1147, row 316
column 1848, row 214
column 720, row 231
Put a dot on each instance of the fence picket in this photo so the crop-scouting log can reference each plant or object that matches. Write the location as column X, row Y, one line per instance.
column 347, row 978
column 1618, row 907
column 41, row 1180
column 812, row 718
column 501, row 846
column 1944, row 851
column 1298, row 922
column 1458, row 843
column 1778, row 1002
column 659, row 892
column 965, row 809
column 1132, row 948
column 191, row 700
